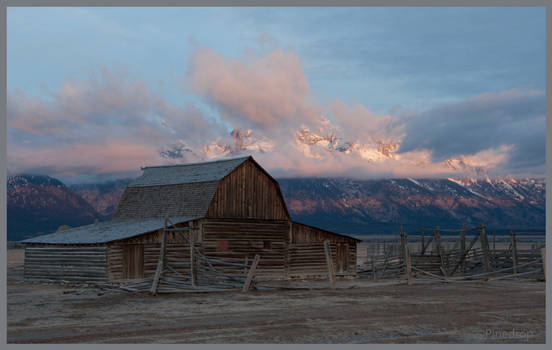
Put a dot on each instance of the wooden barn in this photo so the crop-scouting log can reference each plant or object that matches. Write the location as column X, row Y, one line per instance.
column 230, row 210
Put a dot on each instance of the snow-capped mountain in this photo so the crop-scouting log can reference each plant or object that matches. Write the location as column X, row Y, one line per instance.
column 39, row 204
column 103, row 197
column 42, row 204
column 372, row 206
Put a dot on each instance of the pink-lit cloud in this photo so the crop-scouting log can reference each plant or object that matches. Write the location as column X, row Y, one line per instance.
column 112, row 123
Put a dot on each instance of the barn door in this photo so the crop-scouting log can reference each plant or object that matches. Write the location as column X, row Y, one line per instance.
column 133, row 261
column 342, row 257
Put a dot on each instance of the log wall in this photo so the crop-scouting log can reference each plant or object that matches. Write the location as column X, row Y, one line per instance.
column 306, row 252
column 178, row 251
column 65, row 263
column 233, row 241
column 248, row 192
column 309, row 260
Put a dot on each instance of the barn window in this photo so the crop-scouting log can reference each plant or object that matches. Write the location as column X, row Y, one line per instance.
column 266, row 244
column 222, row 245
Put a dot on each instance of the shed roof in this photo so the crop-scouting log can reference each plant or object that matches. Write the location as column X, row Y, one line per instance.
column 105, row 231
column 187, row 173
column 329, row 232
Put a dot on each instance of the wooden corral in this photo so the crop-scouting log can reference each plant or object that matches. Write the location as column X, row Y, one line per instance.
column 471, row 256
column 232, row 210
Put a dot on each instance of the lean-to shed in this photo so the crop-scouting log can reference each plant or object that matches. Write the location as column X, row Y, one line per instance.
column 233, row 208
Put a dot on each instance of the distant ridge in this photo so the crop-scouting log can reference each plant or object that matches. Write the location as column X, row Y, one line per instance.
column 40, row 204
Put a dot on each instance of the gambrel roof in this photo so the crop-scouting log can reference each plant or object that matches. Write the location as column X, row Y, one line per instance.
column 187, row 173
column 178, row 190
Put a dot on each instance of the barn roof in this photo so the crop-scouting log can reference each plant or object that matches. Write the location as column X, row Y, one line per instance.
column 105, row 231
column 177, row 190
column 187, row 173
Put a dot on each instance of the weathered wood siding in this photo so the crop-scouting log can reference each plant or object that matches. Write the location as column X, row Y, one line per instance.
column 178, row 252
column 304, row 234
column 306, row 256
column 309, row 260
column 245, row 238
column 248, row 193
column 178, row 257
column 185, row 200
column 65, row 263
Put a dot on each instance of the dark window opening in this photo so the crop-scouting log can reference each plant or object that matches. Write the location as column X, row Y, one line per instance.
column 266, row 244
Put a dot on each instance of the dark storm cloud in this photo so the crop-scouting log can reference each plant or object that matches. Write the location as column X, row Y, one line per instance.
column 486, row 121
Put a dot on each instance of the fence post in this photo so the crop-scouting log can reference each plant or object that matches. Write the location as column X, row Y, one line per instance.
column 494, row 247
column 463, row 244
column 329, row 263
column 514, row 251
column 408, row 266
column 373, row 267
column 485, row 247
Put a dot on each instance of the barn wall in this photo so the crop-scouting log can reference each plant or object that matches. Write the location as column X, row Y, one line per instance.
column 234, row 240
column 178, row 252
column 248, row 192
column 309, row 260
column 306, row 254
column 65, row 263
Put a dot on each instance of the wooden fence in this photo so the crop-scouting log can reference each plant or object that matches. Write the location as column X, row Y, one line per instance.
column 469, row 253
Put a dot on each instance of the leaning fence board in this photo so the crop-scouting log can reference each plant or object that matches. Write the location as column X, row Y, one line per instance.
column 161, row 260
column 251, row 273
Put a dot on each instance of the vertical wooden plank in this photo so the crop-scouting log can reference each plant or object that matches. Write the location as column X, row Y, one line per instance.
column 463, row 244
column 192, row 258
column 403, row 243
column 543, row 255
column 290, row 232
column 438, row 240
column 408, row 265
column 485, row 248
column 329, row 263
column 514, row 251
column 161, row 261
column 251, row 273
column 373, row 267
column 494, row 240
column 139, row 260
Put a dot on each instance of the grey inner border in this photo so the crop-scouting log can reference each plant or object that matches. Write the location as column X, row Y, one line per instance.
column 132, row 3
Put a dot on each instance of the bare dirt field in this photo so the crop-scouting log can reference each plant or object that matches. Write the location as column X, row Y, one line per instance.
column 359, row 311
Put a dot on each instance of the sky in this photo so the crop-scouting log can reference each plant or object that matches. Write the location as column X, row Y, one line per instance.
column 97, row 93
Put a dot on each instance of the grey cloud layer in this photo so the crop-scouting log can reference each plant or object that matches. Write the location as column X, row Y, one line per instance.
column 510, row 117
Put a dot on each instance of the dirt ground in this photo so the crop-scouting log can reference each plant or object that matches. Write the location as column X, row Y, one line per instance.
column 359, row 311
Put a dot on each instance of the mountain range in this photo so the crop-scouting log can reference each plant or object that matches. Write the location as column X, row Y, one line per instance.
column 39, row 204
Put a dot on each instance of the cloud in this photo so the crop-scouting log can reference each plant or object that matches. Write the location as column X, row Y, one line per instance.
column 106, row 123
column 260, row 92
column 512, row 117
column 113, row 123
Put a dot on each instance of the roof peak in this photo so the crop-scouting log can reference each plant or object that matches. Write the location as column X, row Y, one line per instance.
column 198, row 163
